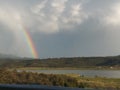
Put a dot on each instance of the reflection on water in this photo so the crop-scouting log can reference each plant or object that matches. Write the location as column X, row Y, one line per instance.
column 89, row 73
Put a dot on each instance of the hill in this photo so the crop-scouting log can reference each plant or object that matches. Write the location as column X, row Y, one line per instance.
column 75, row 62
column 7, row 56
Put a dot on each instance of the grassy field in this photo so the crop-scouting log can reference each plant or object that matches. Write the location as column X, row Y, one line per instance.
column 97, row 82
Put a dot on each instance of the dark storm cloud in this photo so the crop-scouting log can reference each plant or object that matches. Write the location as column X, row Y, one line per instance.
column 61, row 28
column 84, row 41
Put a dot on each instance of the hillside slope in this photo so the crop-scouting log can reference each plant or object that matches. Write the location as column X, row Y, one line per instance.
column 76, row 62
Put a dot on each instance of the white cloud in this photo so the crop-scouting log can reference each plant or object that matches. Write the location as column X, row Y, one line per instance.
column 58, row 6
column 38, row 8
column 49, row 19
column 11, row 18
column 113, row 17
column 76, row 10
column 58, row 16
column 76, row 16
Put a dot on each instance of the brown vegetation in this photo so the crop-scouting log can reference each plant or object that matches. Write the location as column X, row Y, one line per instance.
column 14, row 77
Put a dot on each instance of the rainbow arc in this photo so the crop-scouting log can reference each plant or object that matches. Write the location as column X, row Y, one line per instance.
column 28, row 38
column 30, row 43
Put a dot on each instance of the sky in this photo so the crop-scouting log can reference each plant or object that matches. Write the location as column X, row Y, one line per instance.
column 60, row 28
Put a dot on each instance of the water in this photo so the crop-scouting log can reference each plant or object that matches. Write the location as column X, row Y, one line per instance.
column 87, row 73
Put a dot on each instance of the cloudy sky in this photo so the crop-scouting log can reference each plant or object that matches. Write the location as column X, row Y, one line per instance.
column 61, row 28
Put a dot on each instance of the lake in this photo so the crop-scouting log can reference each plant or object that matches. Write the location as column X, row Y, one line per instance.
column 87, row 73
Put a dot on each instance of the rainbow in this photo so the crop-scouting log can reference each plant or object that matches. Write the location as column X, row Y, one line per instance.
column 31, row 44
column 28, row 38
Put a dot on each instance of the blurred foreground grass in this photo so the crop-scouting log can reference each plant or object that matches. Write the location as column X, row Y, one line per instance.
column 66, row 80
column 98, row 82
